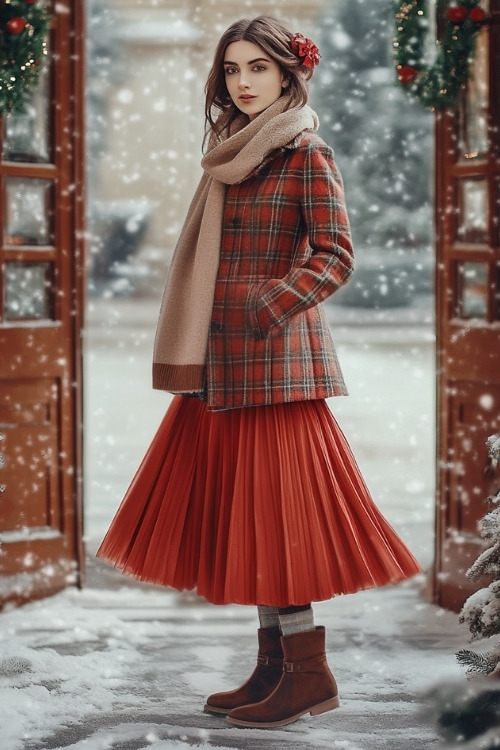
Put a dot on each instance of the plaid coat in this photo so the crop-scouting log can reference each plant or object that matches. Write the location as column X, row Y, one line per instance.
column 285, row 247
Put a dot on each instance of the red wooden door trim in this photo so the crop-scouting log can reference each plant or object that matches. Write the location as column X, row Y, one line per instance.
column 40, row 359
column 468, row 333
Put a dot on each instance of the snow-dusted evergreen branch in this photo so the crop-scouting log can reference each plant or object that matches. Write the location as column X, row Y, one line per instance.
column 488, row 563
column 491, row 522
column 481, row 611
column 493, row 444
column 478, row 664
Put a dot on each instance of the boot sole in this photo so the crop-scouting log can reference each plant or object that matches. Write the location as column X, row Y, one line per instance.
column 208, row 709
column 319, row 708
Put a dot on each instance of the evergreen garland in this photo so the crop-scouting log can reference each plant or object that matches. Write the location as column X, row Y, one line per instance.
column 24, row 25
column 435, row 85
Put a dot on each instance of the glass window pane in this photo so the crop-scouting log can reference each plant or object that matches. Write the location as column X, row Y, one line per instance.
column 473, row 219
column 474, row 105
column 27, row 135
column 473, row 288
column 27, row 211
column 28, row 291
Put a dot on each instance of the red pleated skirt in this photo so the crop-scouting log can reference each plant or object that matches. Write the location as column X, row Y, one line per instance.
column 262, row 505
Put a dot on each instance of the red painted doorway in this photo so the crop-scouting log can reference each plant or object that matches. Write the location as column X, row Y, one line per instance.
column 41, row 313
column 468, row 314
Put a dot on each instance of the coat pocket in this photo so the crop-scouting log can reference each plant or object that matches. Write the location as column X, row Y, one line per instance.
column 254, row 295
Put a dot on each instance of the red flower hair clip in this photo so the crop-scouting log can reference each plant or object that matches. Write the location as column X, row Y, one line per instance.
column 306, row 50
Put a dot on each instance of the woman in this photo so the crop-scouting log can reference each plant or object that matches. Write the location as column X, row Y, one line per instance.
column 249, row 492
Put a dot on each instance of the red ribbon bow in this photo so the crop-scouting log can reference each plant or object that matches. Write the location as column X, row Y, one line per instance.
column 306, row 49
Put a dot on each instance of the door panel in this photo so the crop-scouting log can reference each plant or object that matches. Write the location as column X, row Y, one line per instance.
column 41, row 303
column 468, row 314
column 28, row 414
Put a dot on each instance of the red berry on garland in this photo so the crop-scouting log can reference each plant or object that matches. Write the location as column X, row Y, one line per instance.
column 406, row 73
column 29, row 2
column 477, row 15
column 457, row 14
column 16, row 25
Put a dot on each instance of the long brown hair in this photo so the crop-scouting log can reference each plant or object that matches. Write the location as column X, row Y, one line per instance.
column 274, row 38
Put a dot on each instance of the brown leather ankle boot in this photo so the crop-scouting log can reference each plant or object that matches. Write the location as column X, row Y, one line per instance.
column 306, row 686
column 262, row 681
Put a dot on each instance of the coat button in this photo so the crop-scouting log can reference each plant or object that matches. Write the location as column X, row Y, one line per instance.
column 215, row 327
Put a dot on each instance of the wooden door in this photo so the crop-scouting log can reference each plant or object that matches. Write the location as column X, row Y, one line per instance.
column 468, row 314
column 41, row 302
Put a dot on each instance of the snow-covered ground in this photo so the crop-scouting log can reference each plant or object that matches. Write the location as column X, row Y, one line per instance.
column 130, row 667
column 126, row 666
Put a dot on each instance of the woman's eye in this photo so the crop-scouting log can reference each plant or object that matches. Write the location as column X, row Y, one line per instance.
column 229, row 71
column 260, row 67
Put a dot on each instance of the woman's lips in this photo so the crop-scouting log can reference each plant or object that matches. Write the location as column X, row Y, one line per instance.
column 246, row 97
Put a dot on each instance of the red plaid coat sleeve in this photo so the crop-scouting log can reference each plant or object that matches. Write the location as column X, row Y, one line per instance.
column 330, row 263
column 285, row 248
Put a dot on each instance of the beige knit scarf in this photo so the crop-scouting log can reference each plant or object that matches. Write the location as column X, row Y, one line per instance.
column 184, row 320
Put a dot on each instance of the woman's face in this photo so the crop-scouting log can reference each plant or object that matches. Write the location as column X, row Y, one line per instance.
column 253, row 80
